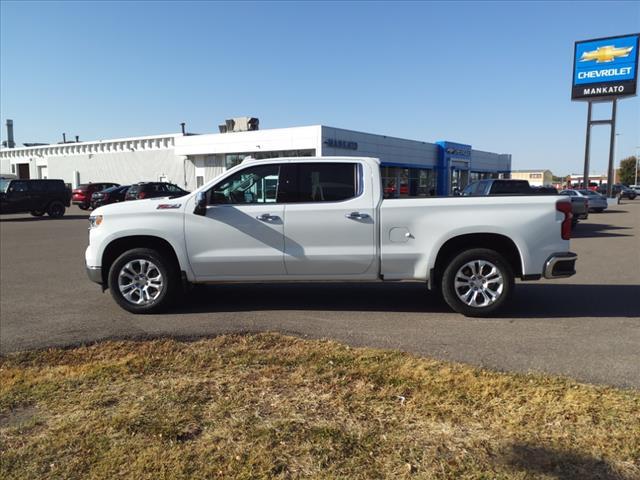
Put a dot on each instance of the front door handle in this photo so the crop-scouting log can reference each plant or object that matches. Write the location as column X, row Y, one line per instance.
column 267, row 217
column 357, row 216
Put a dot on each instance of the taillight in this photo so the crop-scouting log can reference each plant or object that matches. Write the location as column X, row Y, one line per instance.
column 565, row 228
column 142, row 195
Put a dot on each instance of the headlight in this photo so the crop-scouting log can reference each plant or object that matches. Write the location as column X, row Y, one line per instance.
column 95, row 221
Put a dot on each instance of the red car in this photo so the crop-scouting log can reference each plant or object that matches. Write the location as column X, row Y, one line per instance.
column 81, row 196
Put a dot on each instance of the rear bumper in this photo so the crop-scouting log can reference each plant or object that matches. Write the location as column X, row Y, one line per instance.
column 94, row 274
column 560, row 265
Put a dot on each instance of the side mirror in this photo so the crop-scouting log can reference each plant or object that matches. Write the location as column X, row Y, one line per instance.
column 201, row 204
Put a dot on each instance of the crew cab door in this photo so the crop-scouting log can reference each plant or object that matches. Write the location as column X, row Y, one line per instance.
column 329, row 226
column 241, row 234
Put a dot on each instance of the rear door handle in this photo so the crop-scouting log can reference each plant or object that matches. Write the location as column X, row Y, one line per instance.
column 267, row 217
column 357, row 216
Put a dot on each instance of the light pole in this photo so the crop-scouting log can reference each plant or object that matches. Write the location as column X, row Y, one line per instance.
column 615, row 150
column 637, row 158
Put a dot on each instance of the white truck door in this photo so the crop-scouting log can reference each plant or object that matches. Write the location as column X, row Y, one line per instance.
column 241, row 234
column 330, row 226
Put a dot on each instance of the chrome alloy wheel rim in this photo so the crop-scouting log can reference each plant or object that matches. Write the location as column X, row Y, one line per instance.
column 140, row 282
column 479, row 283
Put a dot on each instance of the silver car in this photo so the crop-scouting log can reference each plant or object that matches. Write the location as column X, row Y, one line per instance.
column 597, row 202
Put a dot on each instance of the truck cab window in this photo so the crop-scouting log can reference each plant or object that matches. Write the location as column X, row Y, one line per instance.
column 19, row 187
column 327, row 182
column 252, row 185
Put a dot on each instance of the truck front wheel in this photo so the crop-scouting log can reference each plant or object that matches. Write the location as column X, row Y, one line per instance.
column 477, row 282
column 142, row 281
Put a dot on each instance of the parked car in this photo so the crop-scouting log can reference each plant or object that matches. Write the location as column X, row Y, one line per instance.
column 636, row 188
column 141, row 190
column 497, row 187
column 326, row 220
column 597, row 203
column 616, row 188
column 579, row 205
column 82, row 194
column 34, row 196
column 109, row 195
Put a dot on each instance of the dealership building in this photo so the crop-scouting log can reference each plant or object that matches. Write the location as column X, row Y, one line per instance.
column 409, row 167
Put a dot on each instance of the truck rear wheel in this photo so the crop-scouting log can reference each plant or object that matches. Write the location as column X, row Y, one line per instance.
column 55, row 209
column 477, row 282
column 142, row 281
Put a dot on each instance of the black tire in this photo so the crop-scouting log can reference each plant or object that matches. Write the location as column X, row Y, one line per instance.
column 55, row 209
column 83, row 207
column 166, row 268
column 37, row 213
column 598, row 210
column 487, row 306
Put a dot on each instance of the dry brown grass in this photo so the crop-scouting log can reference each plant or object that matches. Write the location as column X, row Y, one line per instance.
column 263, row 406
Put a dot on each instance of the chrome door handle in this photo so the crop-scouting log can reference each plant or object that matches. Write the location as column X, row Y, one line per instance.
column 267, row 217
column 357, row 215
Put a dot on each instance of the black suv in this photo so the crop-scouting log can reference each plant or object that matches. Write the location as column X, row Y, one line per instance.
column 616, row 189
column 153, row 190
column 34, row 196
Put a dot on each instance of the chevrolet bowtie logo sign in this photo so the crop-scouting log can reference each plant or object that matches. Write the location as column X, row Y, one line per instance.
column 608, row 53
column 605, row 68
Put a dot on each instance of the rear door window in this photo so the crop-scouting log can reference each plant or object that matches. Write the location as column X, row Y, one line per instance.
column 54, row 186
column 38, row 186
column 326, row 182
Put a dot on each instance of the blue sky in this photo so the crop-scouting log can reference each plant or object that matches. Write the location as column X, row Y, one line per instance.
column 495, row 75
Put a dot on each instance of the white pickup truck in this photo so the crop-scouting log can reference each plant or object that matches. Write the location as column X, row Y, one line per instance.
column 325, row 219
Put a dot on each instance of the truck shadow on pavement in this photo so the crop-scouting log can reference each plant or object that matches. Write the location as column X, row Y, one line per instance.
column 529, row 300
column 594, row 230
column 561, row 465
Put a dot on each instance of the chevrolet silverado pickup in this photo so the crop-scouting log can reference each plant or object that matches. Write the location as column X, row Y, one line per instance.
column 326, row 219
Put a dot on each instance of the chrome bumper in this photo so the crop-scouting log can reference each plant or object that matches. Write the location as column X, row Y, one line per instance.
column 560, row 265
column 94, row 274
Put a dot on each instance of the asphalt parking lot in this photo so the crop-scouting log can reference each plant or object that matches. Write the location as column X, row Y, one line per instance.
column 586, row 327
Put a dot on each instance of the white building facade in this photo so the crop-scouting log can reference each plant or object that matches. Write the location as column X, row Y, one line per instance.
column 410, row 167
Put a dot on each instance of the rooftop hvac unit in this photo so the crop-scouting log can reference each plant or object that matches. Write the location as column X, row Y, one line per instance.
column 239, row 124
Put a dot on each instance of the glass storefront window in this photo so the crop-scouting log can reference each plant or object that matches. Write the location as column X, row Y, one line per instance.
column 475, row 176
column 459, row 179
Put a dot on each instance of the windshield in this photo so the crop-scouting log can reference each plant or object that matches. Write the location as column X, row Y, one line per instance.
column 4, row 185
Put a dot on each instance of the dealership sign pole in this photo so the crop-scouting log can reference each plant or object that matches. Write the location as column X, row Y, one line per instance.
column 604, row 69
